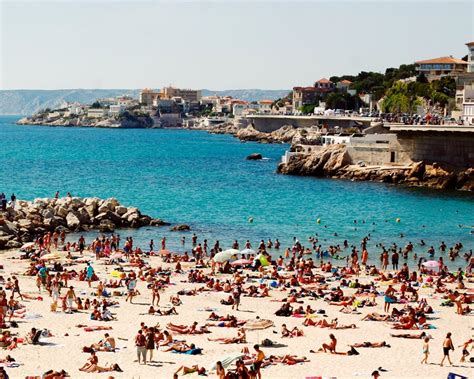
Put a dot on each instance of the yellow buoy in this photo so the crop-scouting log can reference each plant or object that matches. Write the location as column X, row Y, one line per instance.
column 250, row 219
column 398, row 219
column 318, row 221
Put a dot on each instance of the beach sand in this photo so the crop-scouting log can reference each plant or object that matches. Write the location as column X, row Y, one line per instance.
column 402, row 360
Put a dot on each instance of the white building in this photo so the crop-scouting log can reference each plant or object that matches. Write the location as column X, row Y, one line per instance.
column 239, row 109
column 468, row 104
column 96, row 112
column 470, row 56
column 265, row 106
column 116, row 110
column 53, row 115
column 358, row 139
column 76, row 108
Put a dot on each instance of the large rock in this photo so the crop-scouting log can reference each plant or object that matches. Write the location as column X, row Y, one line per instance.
column 4, row 241
column 47, row 213
column 181, row 227
column 62, row 211
column 72, row 221
column 91, row 210
column 132, row 215
column 106, row 226
column 249, row 134
column 25, row 224
column 108, row 215
column 322, row 162
column 8, row 227
column 417, row 170
column 13, row 244
column 158, row 222
column 254, row 157
column 120, row 210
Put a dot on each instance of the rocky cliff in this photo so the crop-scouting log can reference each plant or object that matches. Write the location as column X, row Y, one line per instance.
column 334, row 161
column 30, row 219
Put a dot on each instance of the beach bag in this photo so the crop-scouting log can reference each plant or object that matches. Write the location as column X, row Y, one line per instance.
column 266, row 342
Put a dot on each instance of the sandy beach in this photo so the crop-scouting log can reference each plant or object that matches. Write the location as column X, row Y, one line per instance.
column 63, row 350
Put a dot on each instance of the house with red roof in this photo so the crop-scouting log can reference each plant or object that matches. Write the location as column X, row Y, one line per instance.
column 436, row 68
column 343, row 85
column 324, row 86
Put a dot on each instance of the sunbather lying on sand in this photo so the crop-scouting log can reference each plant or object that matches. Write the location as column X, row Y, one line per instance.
column 371, row 344
column 375, row 317
column 240, row 338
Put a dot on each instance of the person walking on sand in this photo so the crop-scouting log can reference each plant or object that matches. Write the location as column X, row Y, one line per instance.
column 89, row 273
column 426, row 350
column 236, row 293
column 465, row 352
column 140, row 342
column 71, row 297
column 16, row 287
column 150, row 343
column 131, row 290
column 257, row 363
column 447, row 346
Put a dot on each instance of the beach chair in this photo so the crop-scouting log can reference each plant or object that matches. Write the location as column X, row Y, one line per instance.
column 452, row 375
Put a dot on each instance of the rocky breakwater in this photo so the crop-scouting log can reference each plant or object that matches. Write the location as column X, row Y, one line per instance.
column 30, row 219
column 334, row 161
column 283, row 135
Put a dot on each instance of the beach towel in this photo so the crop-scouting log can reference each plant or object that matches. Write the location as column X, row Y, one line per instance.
column 196, row 351
column 33, row 316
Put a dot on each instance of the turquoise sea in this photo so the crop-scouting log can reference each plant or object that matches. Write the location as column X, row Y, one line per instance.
column 204, row 180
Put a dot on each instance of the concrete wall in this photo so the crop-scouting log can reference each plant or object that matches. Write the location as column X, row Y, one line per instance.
column 371, row 156
column 269, row 124
column 454, row 148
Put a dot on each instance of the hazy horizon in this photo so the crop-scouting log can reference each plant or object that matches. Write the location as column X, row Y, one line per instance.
column 219, row 45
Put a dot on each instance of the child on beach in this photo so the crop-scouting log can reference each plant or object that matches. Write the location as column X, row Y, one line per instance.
column 426, row 350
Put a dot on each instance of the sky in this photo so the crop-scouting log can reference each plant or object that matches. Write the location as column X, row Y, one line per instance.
column 220, row 44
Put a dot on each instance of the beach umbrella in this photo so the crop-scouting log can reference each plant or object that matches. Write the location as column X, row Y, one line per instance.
column 227, row 361
column 28, row 245
column 241, row 262
column 50, row 257
column 224, row 256
column 247, row 251
column 258, row 324
column 431, row 264
column 231, row 251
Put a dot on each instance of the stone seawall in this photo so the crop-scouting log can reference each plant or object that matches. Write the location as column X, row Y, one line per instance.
column 452, row 148
column 335, row 161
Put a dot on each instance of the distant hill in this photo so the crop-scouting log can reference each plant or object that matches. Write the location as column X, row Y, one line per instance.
column 27, row 102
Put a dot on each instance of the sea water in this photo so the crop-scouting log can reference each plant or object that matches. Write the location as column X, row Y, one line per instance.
column 205, row 181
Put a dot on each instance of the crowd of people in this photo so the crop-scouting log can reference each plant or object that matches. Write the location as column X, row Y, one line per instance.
column 342, row 276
